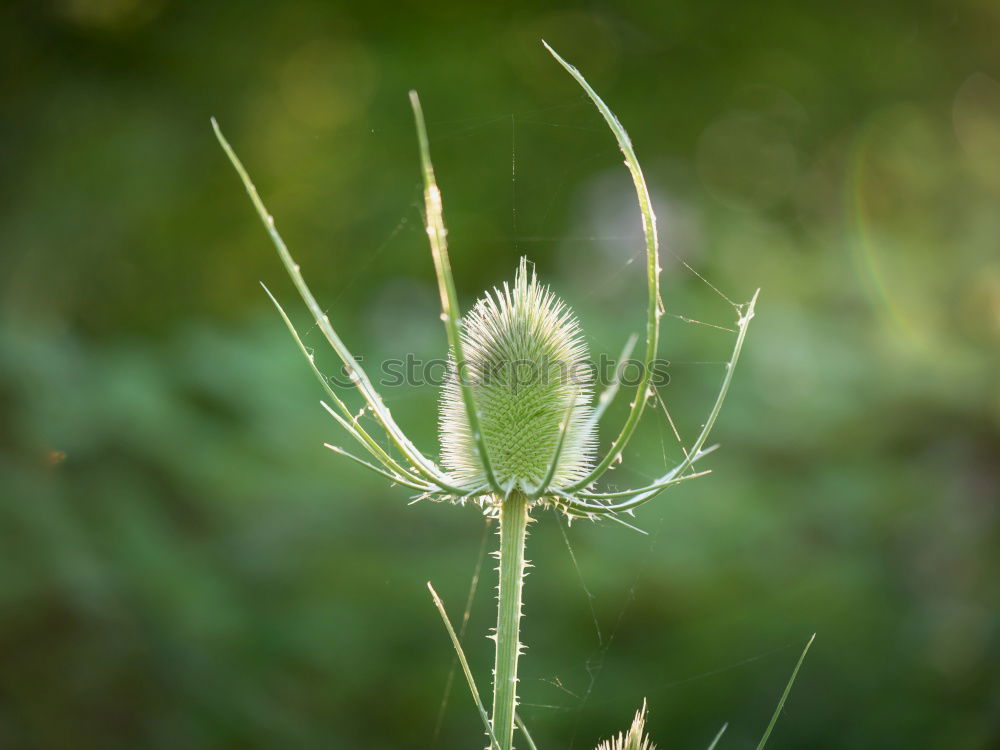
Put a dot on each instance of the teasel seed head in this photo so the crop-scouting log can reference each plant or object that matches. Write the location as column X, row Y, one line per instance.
column 526, row 363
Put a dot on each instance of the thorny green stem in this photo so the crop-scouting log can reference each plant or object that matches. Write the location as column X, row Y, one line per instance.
column 514, row 521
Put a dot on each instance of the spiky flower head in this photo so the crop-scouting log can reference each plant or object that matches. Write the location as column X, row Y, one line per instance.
column 635, row 739
column 526, row 364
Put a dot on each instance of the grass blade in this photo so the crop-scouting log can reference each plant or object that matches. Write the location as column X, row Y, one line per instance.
column 465, row 666
column 524, row 730
column 784, row 695
column 470, row 597
column 718, row 736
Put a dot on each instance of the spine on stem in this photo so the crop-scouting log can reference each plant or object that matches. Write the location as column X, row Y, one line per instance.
column 513, row 531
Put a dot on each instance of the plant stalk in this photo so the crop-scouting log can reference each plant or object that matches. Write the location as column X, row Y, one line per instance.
column 513, row 532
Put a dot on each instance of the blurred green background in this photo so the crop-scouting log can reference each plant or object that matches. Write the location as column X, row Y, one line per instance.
column 183, row 565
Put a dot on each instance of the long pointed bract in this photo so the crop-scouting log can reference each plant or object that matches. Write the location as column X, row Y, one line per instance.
column 446, row 285
column 653, row 305
column 344, row 418
column 371, row 467
column 695, row 452
column 420, row 462
column 631, row 499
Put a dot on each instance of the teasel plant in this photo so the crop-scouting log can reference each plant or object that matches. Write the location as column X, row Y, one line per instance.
column 510, row 444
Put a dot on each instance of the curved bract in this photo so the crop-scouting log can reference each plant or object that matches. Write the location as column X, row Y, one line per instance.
column 654, row 305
